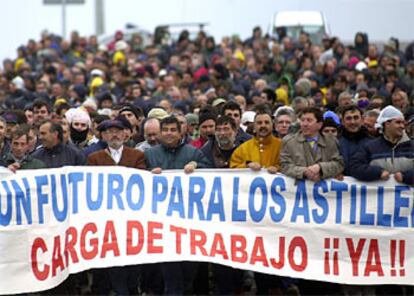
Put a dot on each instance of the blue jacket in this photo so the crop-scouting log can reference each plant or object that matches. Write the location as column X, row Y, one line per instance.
column 349, row 144
column 377, row 155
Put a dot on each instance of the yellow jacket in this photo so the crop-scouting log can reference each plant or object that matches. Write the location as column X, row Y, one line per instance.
column 265, row 151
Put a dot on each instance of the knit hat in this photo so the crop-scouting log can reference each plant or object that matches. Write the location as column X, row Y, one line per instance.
column 79, row 115
column 387, row 114
column 333, row 116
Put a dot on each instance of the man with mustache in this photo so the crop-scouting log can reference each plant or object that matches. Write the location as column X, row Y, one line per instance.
column 263, row 150
column 122, row 280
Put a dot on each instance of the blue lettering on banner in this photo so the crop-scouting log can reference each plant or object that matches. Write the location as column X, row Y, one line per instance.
column 158, row 197
column 216, row 208
column 94, row 204
column 321, row 201
column 236, row 214
column 115, row 191
column 353, row 208
column 278, row 199
column 74, row 179
column 23, row 201
column 6, row 217
column 176, row 205
column 135, row 180
column 382, row 219
column 400, row 202
column 42, row 198
column 258, row 183
column 338, row 187
column 301, row 197
column 365, row 218
column 59, row 215
column 195, row 197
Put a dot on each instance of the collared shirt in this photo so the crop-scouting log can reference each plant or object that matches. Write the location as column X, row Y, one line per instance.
column 116, row 154
column 313, row 142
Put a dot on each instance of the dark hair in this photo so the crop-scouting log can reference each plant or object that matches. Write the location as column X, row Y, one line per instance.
column 170, row 120
column 350, row 108
column 19, row 132
column 231, row 105
column 315, row 111
column 271, row 95
column 226, row 120
column 54, row 127
column 39, row 103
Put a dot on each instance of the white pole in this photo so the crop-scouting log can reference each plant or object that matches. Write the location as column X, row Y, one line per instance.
column 64, row 19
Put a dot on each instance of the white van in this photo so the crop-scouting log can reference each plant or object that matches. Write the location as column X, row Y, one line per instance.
column 312, row 22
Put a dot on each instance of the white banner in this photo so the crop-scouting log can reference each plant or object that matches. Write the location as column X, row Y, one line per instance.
column 60, row 221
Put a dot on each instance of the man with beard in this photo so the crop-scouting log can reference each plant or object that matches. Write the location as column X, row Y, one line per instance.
column 219, row 148
column 173, row 153
column 353, row 134
column 263, row 150
column 123, row 280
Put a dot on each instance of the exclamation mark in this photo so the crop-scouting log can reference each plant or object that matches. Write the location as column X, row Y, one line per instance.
column 402, row 257
column 335, row 257
column 327, row 269
column 393, row 248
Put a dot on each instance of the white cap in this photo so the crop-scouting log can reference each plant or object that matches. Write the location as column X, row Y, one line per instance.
column 121, row 45
column 97, row 72
column 388, row 113
column 18, row 82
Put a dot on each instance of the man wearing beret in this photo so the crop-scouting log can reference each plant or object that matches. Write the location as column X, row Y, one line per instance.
column 119, row 278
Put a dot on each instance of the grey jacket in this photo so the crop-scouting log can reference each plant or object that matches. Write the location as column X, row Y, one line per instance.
column 297, row 154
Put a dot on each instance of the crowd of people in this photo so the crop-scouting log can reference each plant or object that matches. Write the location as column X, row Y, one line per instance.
column 266, row 103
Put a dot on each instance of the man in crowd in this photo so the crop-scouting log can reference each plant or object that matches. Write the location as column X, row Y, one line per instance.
column 353, row 135
column 151, row 134
column 172, row 153
column 54, row 153
column 207, row 126
column 123, row 280
column 233, row 110
column 391, row 153
column 263, row 150
column 308, row 154
column 18, row 157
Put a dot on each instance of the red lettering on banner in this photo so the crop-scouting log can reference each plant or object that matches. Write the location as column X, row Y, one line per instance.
column 374, row 259
column 134, row 227
column 279, row 264
column 57, row 260
column 39, row 244
column 179, row 231
column 94, row 242
column 198, row 239
column 152, row 236
column 71, row 238
column 298, row 242
column 110, row 242
column 238, row 249
column 355, row 254
column 259, row 252
column 218, row 247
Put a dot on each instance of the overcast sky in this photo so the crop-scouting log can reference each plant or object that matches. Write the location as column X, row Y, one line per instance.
column 24, row 19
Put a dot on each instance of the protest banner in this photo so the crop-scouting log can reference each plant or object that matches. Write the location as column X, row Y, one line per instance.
column 60, row 221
